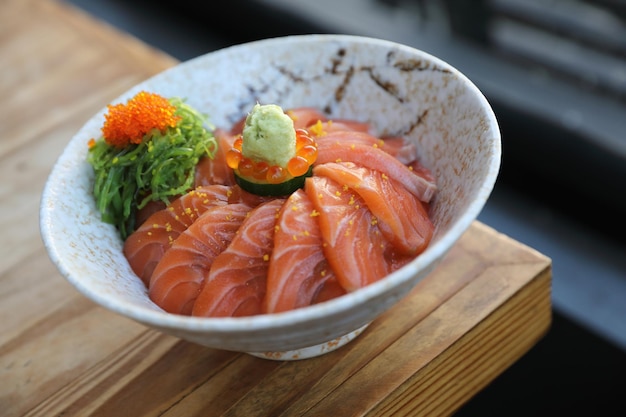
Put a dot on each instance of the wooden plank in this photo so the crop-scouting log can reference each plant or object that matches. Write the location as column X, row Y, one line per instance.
column 452, row 335
column 60, row 66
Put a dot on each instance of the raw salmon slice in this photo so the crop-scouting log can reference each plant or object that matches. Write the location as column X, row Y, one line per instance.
column 399, row 148
column 146, row 245
column 321, row 128
column 180, row 274
column 376, row 159
column 239, row 195
column 401, row 217
column 304, row 117
column 349, row 131
column 352, row 242
column 236, row 283
column 299, row 274
column 308, row 117
column 214, row 170
column 148, row 210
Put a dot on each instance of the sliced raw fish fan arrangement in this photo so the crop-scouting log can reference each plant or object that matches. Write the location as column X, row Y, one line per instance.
column 237, row 279
column 298, row 273
column 220, row 251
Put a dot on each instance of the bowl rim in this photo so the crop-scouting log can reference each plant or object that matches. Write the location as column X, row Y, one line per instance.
column 429, row 257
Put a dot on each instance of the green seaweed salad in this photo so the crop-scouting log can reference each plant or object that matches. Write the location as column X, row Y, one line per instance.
column 148, row 151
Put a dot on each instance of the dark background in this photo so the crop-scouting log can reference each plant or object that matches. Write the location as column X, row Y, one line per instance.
column 555, row 74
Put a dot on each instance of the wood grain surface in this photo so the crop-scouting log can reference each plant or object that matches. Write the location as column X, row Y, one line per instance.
column 485, row 305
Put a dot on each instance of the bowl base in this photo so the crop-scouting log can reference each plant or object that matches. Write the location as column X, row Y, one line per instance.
column 311, row 351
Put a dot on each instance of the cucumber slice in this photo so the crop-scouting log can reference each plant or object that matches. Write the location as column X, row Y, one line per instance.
column 273, row 190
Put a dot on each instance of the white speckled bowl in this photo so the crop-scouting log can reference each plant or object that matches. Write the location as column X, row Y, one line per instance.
column 400, row 90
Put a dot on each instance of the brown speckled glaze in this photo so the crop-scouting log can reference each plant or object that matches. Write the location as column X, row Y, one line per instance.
column 400, row 90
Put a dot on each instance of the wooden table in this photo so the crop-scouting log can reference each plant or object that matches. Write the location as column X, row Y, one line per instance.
column 483, row 308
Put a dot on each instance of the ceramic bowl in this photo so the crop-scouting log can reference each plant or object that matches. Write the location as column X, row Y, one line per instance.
column 398, row 89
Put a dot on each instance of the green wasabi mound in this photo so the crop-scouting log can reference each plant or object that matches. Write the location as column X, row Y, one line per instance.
column 269, row 135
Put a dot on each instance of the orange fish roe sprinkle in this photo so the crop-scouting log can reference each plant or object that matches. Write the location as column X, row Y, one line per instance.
column 128, row 123
column 317, row 129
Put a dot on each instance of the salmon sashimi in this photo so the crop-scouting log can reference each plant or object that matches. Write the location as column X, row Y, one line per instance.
column 239, row 195
column 145, row 246
column 311, row 119
column 402, row 150
column 148, row 210
column 215, row 170
column 221, row 251
column 377, row 159
column 401, row 217
column 304, row 117
column 330, row 289
column 419, row 169
column 236, row 283
column 298, row 274
column 180, row 274
column 352, row 242
column 323, row 128
column 335, row 125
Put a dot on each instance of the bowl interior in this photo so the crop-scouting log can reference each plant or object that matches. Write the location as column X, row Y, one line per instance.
column 398, row 89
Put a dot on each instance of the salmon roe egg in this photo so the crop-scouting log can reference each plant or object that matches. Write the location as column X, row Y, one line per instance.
column 309, row 153
column 276, row 175
column 303, row 139
column 246, row 167
column 238, row 143
column 233, row 158
column 260, row 170
column 297, row 166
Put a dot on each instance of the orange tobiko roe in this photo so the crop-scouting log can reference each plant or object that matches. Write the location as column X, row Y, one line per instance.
column 129, row 123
